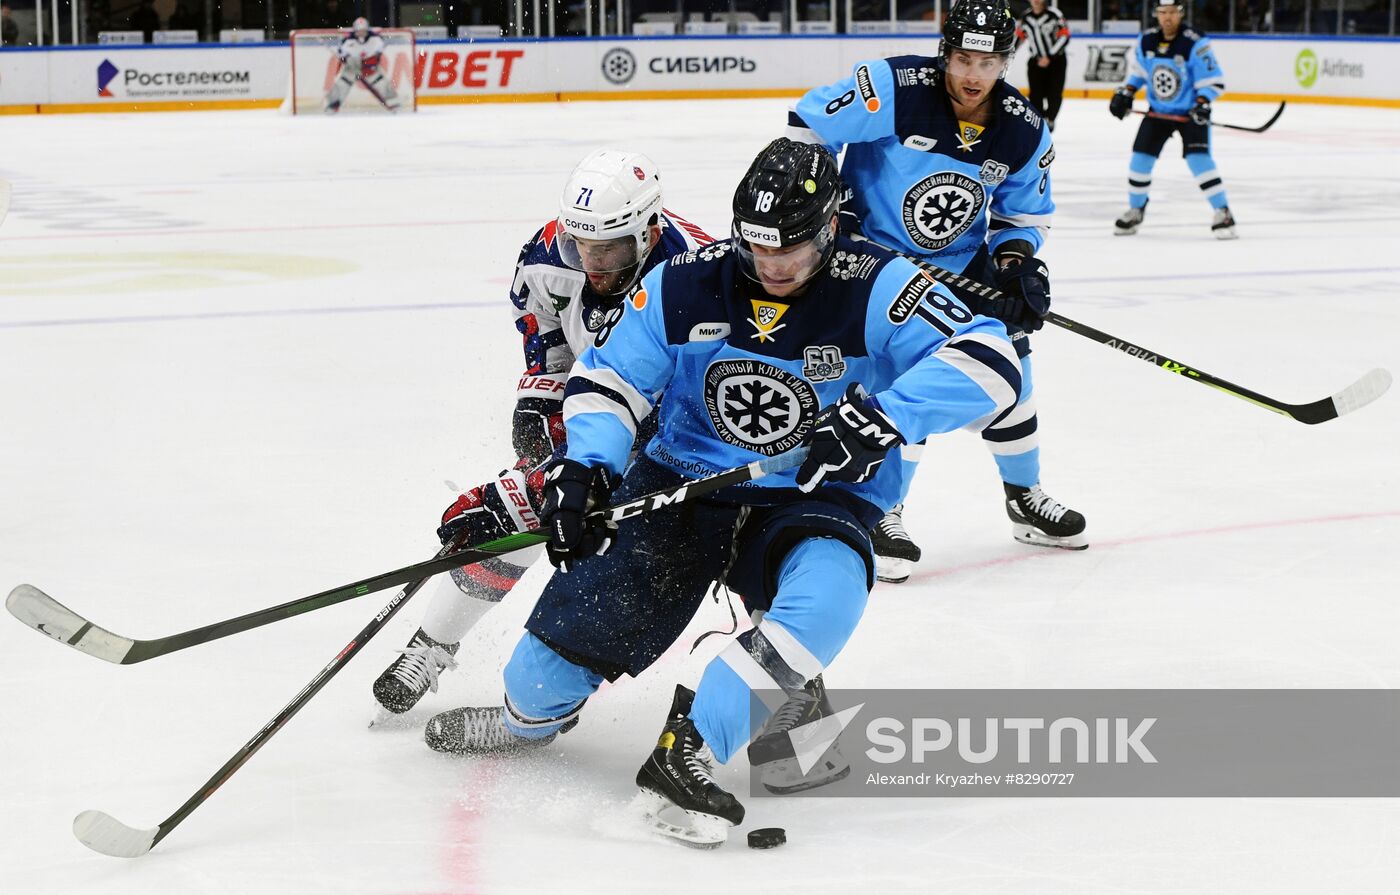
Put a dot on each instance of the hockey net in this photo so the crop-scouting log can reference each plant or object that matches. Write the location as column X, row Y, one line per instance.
column 315, row 66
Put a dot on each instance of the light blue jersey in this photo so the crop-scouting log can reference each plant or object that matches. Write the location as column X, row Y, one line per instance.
column 743, row 374
column 925, row 182
column 1175, row 71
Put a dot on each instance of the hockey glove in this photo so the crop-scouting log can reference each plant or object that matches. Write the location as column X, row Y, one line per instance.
column 1025, row 287
column 572, row 491
column 849, row 441
column 496, row 509
column 1121, row 103
column 1200, row 112
column 537, row 429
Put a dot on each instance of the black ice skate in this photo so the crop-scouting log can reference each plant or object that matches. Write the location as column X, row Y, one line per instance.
column 1128, row 224
column 482, row 731
column 1222, row 226
column 1037, row 518
column 678, row 779
column 895, row 551
column 773, row 752
column 414, row 673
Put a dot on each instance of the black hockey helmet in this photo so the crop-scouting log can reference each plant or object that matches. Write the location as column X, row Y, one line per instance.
column 1177, row 4
column 786, row 198
column 984, row 26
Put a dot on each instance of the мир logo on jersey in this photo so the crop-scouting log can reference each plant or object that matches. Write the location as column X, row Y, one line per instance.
column 942, row 207
column 758, row 406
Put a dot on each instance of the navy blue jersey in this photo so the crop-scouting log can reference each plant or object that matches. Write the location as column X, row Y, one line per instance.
column 925, row 182
column 1175, row 71
column 555, row 311
column 736, row 375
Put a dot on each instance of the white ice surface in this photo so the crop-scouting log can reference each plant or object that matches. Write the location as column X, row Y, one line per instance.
column 240, row 353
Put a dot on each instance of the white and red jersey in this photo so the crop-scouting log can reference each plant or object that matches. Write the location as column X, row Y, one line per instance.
column 367, row 52
column 556, row 315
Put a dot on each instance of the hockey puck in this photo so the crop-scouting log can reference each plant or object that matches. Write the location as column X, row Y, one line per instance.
column 768, row 837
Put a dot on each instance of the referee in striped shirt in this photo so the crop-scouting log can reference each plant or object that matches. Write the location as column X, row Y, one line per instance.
column 1045, row 28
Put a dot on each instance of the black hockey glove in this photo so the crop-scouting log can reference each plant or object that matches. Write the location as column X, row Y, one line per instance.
column 571, row 492
column 1025, row 287
column 849, row 441
column 1121, row 103
column 1200, row 112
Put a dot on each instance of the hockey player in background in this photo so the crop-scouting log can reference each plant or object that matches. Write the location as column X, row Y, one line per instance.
column 361, row 53
column 1183, row 79
column 948, row 163
column 569, row 284
column 755, row 346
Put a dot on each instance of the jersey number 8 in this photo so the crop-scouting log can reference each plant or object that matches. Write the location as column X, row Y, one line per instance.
column 840, row 102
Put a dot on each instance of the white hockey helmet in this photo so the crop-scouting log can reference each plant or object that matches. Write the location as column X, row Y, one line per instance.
column 360, row 27
column 610, row 203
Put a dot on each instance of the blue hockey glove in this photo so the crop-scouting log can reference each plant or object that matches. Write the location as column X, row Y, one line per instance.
column 571, row 492
column 849, row 441
column 1025, row 284
column 1200, row 112
column 1121, row 103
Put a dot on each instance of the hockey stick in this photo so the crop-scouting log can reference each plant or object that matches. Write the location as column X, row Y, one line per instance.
column 103, row 833
column 1350, row 399
column 46, row 615
column 5, row 192
column 1234, row 127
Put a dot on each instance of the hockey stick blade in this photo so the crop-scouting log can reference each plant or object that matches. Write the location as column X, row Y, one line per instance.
column 1349, row 400
column 106, row 835
column 46, row 615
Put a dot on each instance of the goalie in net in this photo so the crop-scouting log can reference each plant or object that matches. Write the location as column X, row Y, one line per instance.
column 328, row 65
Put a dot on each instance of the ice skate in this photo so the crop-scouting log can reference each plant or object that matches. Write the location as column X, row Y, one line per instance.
column 1222, row 226
column 895, row 552
column 1128, row 223
column 413, row 673
column 482, row 731
column 1037, row 518
column 679, row 797
column 773, row 753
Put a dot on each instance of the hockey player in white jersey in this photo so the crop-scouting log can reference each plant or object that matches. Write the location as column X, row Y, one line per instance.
column 569, row 283
column 361, row 54
column 948, row 163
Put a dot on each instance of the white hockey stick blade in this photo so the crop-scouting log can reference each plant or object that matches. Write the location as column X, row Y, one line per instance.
column 46, row 615
column 5, row 192
column 106, row 835
column 1362, row 392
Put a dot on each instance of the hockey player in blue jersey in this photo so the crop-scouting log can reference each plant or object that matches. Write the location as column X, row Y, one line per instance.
column 947, row 162
column 569, row 284
column 755, row 346
column 1183, row 79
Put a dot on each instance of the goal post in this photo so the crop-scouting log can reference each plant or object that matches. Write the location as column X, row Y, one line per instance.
column 315, row 66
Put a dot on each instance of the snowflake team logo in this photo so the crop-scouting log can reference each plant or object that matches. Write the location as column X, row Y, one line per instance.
column 923, row 76
column 942, row 207
column 619, row 65
column 757, row 406
column 1013, row 106
column 713, row 250
column 1166, row 84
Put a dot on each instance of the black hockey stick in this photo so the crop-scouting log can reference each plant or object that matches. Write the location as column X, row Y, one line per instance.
column 103, row 833
column 1355, row 396
column 1234, row 127
column 46, row 615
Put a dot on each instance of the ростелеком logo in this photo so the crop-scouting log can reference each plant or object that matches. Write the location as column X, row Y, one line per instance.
column 105, row 73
